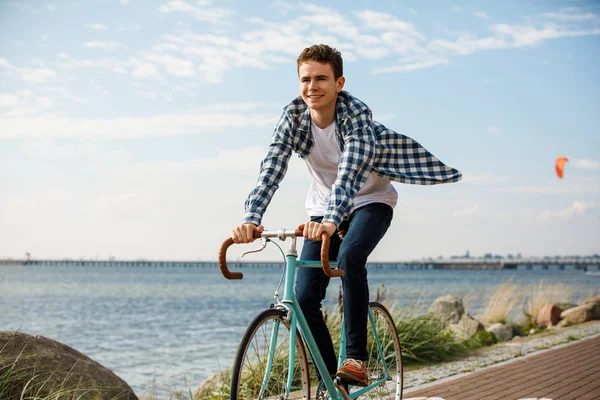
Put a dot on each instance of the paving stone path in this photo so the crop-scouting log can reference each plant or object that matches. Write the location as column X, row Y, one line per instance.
column 569, row 372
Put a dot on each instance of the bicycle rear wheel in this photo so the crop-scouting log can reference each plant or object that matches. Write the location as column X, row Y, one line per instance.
column 389, row 359
column 256, row 375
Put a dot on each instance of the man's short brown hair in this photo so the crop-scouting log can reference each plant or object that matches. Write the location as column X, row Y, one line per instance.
column 324, row 54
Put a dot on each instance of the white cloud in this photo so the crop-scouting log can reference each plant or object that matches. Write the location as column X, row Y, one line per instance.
column 384, row 117
column 586, row 164
column 29, row 75
column 283, row 7
column 97, row 27
column 413, row 66
column 467, row 212
column 69, row 63
column 494, row 180
column 38, row 100
column 143, row 70
column 23, row 103
column 200, row 12
column 457, row 8
column 104, row 45
column 494, row 130
column 522, row 35
column 566, row 15
column 578, row 208
column 280, row 42
column 507, row 36
column 64, row 93
column 33, row 10
column 386, row 22
column 50, row 150
column 566, row 187
column 480, row 14
column 201, row 122
column 125, row 2
column 134, row 27
column 180, row 67
column 138, row 196
column 396, row 45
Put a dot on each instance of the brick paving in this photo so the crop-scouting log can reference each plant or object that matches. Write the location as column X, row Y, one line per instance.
column 571, row 372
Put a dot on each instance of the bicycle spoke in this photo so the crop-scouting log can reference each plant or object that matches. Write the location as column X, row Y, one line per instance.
column 252, row 375
column 385, row 358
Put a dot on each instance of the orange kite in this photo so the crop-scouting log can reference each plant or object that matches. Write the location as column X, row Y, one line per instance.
column 560, row 164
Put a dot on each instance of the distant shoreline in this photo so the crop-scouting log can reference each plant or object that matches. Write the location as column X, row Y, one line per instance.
column 574, row 263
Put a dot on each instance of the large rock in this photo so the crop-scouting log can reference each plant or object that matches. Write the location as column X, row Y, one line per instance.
column 467, row 327
column 549, row 315
column 449, row 309
column 595, row 301
column 579, row 315
column 43, row 367
column 502, row 332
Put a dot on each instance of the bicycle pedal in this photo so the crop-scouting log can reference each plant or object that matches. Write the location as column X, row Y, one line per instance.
column 349, row 382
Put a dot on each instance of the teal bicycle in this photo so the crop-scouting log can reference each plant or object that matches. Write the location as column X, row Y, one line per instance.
column 272, row 362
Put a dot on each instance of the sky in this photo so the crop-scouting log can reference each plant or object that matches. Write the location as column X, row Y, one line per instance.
column 135, row 129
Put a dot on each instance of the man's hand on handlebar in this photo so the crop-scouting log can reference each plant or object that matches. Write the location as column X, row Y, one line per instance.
column 314, row 230
column 244, row 233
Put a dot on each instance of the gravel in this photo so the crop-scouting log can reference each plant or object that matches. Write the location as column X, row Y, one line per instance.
column 500, row 353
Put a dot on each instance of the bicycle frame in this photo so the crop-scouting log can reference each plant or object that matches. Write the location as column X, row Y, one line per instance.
column 297, row 319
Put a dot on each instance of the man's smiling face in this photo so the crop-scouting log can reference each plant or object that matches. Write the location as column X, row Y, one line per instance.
column 318, row 86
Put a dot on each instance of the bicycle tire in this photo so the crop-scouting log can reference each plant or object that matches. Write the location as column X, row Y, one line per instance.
column 388, row 337
column 251, row 361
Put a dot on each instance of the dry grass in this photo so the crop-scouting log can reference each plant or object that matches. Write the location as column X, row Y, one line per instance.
column 502, row 302
column 542, row 294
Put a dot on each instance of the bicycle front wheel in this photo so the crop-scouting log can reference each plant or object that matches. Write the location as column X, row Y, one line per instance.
column 262, row 363
column 385, row 358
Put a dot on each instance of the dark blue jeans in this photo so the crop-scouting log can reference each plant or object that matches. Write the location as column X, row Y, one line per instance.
column 367, row 225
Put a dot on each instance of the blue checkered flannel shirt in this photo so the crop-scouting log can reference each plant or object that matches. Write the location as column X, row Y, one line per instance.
column 367, row 146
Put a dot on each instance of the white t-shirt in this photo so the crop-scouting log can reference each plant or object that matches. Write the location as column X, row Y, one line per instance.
column 323, row 162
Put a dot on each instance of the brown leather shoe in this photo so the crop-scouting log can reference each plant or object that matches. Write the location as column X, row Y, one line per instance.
column 353, row 372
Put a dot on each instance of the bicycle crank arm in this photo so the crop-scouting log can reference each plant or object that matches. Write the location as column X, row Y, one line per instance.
column 340, row 387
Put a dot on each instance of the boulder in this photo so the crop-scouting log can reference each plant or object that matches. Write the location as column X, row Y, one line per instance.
column 549, row 315
column 467, row 327
column 580, row 314
column 502, row 332
column 565, row 306
column 448, row 309
column 595, row 302
column 563, row 323
column 43, row 367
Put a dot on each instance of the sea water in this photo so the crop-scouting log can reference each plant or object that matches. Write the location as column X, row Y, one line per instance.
column 176, row 326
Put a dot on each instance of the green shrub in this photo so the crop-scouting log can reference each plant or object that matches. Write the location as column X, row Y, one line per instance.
column 425, row 340
column 481, row 339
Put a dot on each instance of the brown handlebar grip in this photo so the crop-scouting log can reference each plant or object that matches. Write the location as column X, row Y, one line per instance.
column 222, row 257
column 223, row 263
column 325, row 259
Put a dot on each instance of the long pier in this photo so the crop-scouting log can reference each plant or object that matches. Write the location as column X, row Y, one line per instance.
column 577, row 263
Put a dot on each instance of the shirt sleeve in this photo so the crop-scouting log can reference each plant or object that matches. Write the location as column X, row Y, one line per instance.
column 272, row 170
column 354, row 168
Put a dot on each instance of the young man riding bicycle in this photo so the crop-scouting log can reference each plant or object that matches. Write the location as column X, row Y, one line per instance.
column 352, row 160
